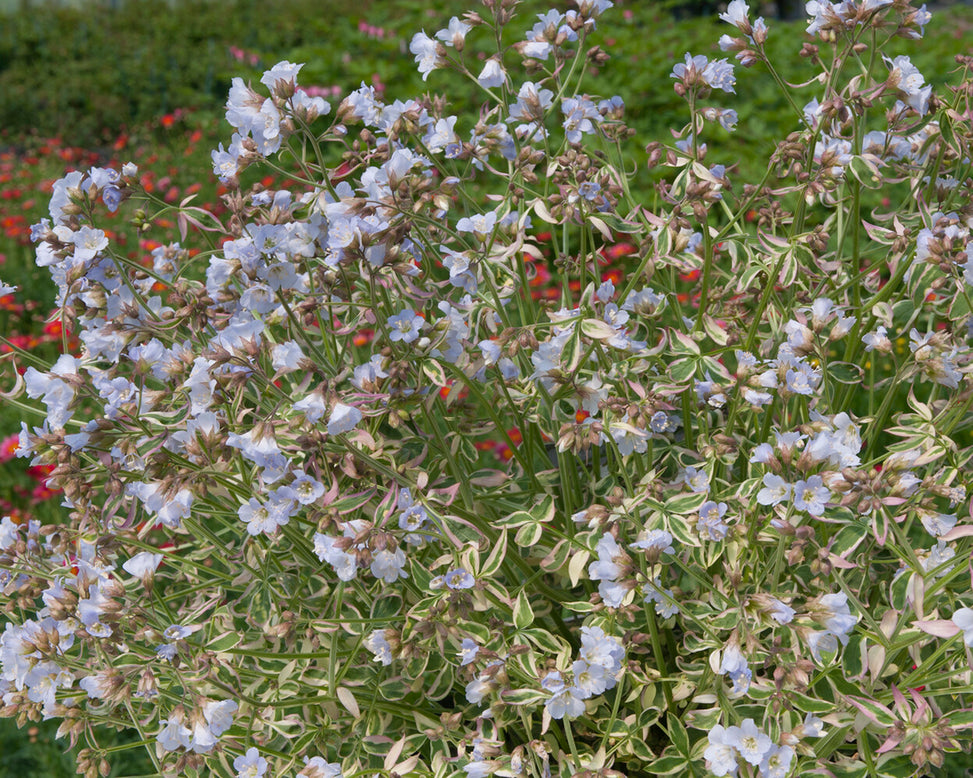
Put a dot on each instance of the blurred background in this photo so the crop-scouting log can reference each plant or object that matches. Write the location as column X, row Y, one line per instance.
column 102, row 83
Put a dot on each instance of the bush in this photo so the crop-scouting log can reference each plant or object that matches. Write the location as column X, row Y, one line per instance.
column 79, row 71
column 394, row 469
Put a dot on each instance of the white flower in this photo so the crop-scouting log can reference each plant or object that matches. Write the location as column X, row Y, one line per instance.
column 388, row 565
column 455, row 34
column 963, row 618
column 282, row 71
column 174, row 735
column 219, row 715
column 426, row 53
column 752, row 744
column 143, row 564
column 775, row 490
column 250, row 765
column 492, row 75
column 736, row 13
column 720, row 754
column 379, row 646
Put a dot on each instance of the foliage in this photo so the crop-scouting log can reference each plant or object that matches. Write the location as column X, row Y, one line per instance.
column 24, row 756
column 449, row 454
column 29, row 326
column 79, row 70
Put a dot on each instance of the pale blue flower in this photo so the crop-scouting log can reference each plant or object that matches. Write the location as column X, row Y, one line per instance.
column 775, row 490
column 720, row 754
column 752, row 744
column 468, row 651
column 405, row 326
column 459, row 579
column 344, row 418
column 492, row 75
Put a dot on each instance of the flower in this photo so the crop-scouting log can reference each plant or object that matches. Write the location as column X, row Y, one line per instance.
column 781, row 612
column 905, row 77
column 492, row 75
column 459, row 579
column 721, row 753
column 565, row 701
column 426, row 52
column 405, row 326
column 811, row 495
column 480, row 224
column 250, row 765
column 477, row 689
column 317, row 767
column 377, row 643
column 388, row 565
column 963, row 618
column 468, row 651
column 174, row 735
column 697, row 480
column 736, row 14
column 776, row 762
column 219, row 715
column 717, row 74
column 775, row 490
column 344, row 418
column 455, row 34
column 734, row 664
column 752, row 744
column 265, row 517
column 710, row 523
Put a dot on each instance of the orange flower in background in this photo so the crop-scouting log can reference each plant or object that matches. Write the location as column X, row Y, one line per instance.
column 54, row 329
column 8, row 447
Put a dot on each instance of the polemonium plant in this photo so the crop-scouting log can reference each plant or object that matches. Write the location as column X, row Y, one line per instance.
column 349, row 494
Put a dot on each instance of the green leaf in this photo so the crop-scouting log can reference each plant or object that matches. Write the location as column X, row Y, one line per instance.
column 224, row 642
column 597, row 329
column 667, row 765
column 497, row 553
column 544, row 510
column 682, row 343
column 845, row 372
column 557, row 558
column 545, row 641
column 528, row 535
column 393, row 689
column 961, row 719
column 517, row 519
column 715, row 331
column 682, row 504
column 682, row 370
column 523, row 613
column 580, row 606
column 865, row 172
column 678, row 735
column 434, row 372
column 571, row 353
column 522, row 696
column 618, row 224
column 875, row 711
column 440, row 686
column 386, row 608
column 641, row 750
column 682, row 532
column 809, row 704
